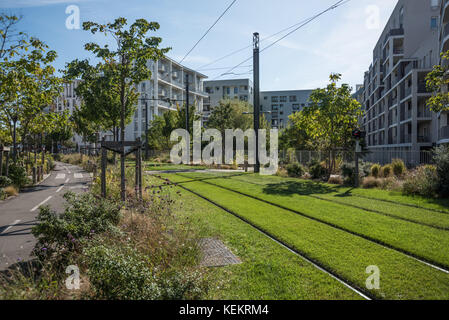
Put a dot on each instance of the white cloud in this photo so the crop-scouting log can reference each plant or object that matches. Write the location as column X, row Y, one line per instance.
column 34, row 3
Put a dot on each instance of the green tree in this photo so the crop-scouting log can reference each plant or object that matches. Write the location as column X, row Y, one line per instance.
column 127, row 64
column 437, row 82
column 329, row 119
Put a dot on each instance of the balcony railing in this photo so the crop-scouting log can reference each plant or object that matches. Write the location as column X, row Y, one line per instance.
column 446, row 30
column 394, row 32
column 424, row 113
column 422, row 88
column 398, row 50
column 406, row 114
column 424, row 139
column 444, row 132
column 407, row 138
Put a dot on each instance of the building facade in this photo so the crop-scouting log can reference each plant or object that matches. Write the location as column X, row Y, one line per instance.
column 277, row 106
column 241, row 89
column 394, row 92
column 166, row 90
column 443, row 118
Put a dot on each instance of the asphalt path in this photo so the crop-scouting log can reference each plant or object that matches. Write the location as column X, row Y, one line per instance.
column 18, row 215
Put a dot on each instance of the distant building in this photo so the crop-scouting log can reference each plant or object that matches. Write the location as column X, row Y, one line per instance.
column 277, row 106
column 241, row 89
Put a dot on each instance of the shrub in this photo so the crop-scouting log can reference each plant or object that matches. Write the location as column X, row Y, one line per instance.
column 371, row 182
column 18, row 175
column 5, row 181
column 282, row 173
column 441, row 160
column 375, row 170
column 423, row 181
column 335, row 180
column 347, row 170
column 10, row 191
column 317, row 170
column 386, row 171
column 398, row 167
column 62, row 234
column 295, row 170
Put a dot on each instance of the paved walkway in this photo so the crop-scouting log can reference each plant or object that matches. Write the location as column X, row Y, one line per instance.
column 18, row 215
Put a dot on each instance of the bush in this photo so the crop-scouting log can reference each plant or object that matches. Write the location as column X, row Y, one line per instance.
column 5, row 181
column 386, row 171
column 335, row 180
column 282, row 173
column 375, row 170
column 10, row 191
column 398, row 167
column 123, row 273
column 371, row 182
column 347, row 170
column 441, row 160
column 295, row 170
column 423, row 181
column 317, row 170
column 84, row 216
column 18, row 175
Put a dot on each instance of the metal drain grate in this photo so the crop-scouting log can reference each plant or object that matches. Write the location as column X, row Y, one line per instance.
column 216, row 254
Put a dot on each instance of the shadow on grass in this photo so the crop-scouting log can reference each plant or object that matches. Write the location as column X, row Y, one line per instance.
column 289, row 188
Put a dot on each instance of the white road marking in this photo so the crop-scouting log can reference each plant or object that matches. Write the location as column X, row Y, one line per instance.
column 59, row 189
column 60, row 176
column 67, row 170
column 11, row 225
column 78, row 175
column 68, row 179
column 40, row 204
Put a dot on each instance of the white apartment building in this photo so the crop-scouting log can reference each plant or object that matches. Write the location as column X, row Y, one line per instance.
column 164, row 91
column 241, row 89
column 69, row 101
column 394, row 92
column 168, row 82
column 277, row 106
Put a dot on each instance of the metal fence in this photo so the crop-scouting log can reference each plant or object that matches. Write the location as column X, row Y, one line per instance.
column 305, row 157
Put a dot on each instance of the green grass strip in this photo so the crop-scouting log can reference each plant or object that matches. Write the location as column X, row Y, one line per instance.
column 402, row 277
column 423, row 242
column 267, row 272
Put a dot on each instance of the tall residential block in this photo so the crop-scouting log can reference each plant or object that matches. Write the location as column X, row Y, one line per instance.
column 443, row 118
column 394, row 92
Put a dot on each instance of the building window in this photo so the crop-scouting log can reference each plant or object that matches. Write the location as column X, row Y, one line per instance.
column 228, row 90
column 274, row 99
column 143, row 87
column 236, row 90
column 295, row 106
column 434, row 23
column 292, row 98
column 284, row 99
column 275, row 107
column 265, row 98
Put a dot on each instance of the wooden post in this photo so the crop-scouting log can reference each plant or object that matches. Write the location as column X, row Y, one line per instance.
column 139, row 152
column 104, row 155
column 7, row 164
column 34, row 175
column 1, row 159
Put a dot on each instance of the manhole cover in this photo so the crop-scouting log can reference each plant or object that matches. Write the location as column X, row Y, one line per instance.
column 215, row 254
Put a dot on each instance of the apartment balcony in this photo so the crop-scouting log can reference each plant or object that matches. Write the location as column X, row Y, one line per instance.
column 406, row 115
column 162, row 68
column 445, row 11
column 424, row 114
column 163, row 93
column 422, row 88
column 398, row 51
column 444, row 133
column 392, row 140
column 394, row 33
column 424, row 139
column 406, row 138
column 406, row 92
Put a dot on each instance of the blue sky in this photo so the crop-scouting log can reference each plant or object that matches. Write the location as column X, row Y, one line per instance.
column 340, row 41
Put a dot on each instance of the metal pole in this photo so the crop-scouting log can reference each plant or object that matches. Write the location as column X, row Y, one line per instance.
column 14, row 151
column 187, row 103
column 147, row 151
column 1, row 160
column 103, row 169
column 256, row 97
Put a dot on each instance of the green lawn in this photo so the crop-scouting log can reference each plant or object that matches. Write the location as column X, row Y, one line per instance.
column 346, row 254
column 268, row 271
column 415, row 239
column 152, row 166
